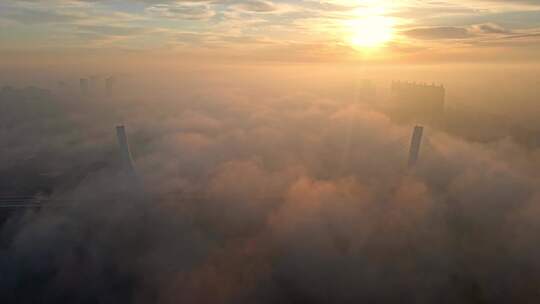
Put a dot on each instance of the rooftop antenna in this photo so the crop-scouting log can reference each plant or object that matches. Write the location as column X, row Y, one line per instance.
column 416, row 142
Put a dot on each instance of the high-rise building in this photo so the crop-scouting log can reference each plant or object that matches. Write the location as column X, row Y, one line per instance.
column 125, row 153
column 416, row 142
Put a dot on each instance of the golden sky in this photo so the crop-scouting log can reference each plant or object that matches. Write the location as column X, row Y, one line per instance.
column 411, row 31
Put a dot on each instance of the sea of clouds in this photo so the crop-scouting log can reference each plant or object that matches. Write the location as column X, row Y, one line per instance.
column 245, row 195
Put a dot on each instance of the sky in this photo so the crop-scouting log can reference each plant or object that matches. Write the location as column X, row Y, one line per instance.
column 408, row 31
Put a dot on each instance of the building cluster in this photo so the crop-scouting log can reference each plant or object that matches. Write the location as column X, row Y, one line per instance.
column 90, row 86
column 425, row 103
column 9, row 93
column 421, row 101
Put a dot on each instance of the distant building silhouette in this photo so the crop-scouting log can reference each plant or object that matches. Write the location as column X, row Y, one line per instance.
column 418, row 101
column 6, row 93
column 425, row 104
column 23, row 95
column 83, row 83
column 367, row 90
column 109, row 83
column 93, row 85
column 482, row 126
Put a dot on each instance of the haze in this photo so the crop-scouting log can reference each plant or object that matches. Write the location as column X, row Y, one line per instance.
column 265, row 151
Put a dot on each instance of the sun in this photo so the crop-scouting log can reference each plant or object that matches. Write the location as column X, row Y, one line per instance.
column 371, row 32
column 369, row 27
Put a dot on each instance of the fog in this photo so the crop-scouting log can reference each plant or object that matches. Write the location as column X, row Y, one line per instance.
column 268, row 184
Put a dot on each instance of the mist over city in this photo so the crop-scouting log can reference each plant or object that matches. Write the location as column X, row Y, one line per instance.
column 333, row 151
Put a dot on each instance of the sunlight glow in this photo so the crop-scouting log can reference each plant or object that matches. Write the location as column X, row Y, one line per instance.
column 370, row 28
column 372, row 32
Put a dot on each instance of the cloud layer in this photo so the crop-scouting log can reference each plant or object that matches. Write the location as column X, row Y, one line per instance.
column 252, row 196
column 286, row 27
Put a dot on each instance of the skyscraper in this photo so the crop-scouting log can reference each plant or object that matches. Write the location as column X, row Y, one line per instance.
column 125, row 153
column 416, row 142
